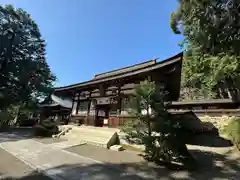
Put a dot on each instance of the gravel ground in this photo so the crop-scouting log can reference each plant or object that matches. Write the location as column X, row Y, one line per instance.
column 214, row 163
column 48, row 140
column 12, row 168
column 106, row 155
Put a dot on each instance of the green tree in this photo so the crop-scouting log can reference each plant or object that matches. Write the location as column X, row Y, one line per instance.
column 24, row 72
column 160, row 133
column 212, row 43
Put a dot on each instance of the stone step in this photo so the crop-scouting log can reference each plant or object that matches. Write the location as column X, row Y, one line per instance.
column 93, row 129
column 82, row 136
column 88, row 139
column 91, row 133
column 95, row 136
column 117, row 148
column 106, row 129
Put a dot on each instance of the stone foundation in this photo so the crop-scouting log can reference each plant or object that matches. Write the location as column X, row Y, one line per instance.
column 219, row 122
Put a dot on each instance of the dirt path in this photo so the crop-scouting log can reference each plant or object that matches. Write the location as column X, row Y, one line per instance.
column 214, row 163
column 59, row 164
column 91, row 162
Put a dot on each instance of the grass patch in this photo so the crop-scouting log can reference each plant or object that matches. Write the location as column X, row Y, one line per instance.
column 131, row 148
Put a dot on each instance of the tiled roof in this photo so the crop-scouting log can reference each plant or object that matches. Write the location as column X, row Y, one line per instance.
column 124, row 72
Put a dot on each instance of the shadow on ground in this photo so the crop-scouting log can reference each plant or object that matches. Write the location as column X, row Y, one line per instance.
column 211, row 166
column 210, row 141
column 15, row 134
column 32, row 176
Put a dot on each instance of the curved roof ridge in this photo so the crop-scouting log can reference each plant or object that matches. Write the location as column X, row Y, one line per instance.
column 126, row 69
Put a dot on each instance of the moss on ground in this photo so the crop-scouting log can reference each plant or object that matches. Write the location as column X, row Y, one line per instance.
column 131, row 148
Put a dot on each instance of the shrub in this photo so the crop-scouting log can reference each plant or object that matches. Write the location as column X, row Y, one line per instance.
column 27, row 122
column 5, row 118
column 46, row 129
column 48, row 124
column 232, row 130
column 41, row 131
column 163, row 137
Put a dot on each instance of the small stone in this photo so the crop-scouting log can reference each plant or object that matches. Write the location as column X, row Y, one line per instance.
column 117, row 148
column 54, row 136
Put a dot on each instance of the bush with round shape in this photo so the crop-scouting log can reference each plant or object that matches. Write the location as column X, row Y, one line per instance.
column 46, row 129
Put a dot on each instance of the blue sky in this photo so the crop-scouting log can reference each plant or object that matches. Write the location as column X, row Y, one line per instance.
column 86, row 37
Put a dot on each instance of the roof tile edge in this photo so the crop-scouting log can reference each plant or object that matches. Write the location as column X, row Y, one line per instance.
column 146, row 63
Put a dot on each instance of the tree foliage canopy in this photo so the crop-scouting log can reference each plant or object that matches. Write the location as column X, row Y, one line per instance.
column 211, row 30
column 25, row 73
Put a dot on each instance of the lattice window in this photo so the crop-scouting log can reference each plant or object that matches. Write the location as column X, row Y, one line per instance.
column 126, row 103
column 83, row 107
column 114, row 109
column 126, row 106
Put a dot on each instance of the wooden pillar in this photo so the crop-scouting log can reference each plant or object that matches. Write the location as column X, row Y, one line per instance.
column 89, row 103
column 120, row 84
column 70, row 115
column 78, row 101
column 92, row 112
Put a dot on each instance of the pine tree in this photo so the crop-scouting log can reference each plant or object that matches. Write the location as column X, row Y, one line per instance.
column 160, row 133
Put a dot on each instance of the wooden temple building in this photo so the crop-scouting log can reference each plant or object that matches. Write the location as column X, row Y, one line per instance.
column 51, row 109
column 104, row 100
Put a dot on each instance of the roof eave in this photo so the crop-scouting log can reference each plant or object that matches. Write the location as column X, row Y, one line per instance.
column 161, row 64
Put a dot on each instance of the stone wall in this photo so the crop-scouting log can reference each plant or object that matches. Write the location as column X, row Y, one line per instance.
column 218, row 121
